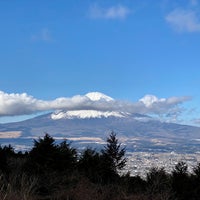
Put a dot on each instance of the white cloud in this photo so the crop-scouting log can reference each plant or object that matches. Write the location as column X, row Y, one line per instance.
column 114, row 12
column 184, row 20
column 23, row 104
column 167, row 109
column 43, row 35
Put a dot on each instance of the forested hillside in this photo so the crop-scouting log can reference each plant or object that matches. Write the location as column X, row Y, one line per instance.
column 53, row 171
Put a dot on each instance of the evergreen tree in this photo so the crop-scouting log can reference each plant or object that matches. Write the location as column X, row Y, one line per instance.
column 6, row 153
column 181, row 182
column 67, row 156
column 47, row 155
column 90, row 165
column 3, row 161
column 114, row 154
column 43, row 153
column 196, row 181
column 196, row 171
column 159, row 183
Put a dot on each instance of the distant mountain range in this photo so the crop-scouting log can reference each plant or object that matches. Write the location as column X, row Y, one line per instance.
column 90, row 128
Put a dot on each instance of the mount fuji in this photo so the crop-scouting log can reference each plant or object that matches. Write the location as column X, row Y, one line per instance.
column 90, row 127
column 84, row 114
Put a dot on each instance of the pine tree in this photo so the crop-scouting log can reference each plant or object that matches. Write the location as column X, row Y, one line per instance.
column 114, row 153
column 66, row 156
column 44, row 152
column 90, row 165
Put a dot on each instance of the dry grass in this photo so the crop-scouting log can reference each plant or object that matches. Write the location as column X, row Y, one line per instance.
column 17, row 187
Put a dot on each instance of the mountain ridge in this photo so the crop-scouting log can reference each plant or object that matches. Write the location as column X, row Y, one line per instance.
column 138, row 132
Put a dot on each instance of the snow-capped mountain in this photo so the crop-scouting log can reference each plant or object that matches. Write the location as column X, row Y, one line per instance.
column 91, row 127
column 83, row 114
column 96, row 96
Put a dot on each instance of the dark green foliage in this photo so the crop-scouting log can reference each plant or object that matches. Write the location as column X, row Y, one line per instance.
column 103, row 167
column 54, row 171
column 133, row 184
column 158, row 180
column 159, row 183
column 9, row 150
column 66, row 157
column 112, row 158
column 196, row 171
column 181, row 169
column 90, row 165
column 182, row 182
column 47, row 156
column 48, row 160
column 196, row 181
column 3, row 160
column 6, row 153
column 114, row 154
column 43, row 154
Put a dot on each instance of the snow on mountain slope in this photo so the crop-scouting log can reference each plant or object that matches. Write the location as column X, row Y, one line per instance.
column 83, row 114
column 97, row 96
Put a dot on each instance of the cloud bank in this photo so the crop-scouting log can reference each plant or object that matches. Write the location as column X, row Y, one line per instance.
column 15, row 104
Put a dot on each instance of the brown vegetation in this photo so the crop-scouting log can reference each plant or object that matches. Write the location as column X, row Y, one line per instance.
column 51, row 171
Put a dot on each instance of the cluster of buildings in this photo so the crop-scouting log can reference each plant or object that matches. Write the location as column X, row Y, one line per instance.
column 139, row 163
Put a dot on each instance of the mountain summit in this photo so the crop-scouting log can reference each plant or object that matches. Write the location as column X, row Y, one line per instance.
column 88, row 119
column 96, row 96
column 83, row 114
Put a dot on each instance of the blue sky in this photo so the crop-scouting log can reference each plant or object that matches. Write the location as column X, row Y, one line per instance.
column 125, row 49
